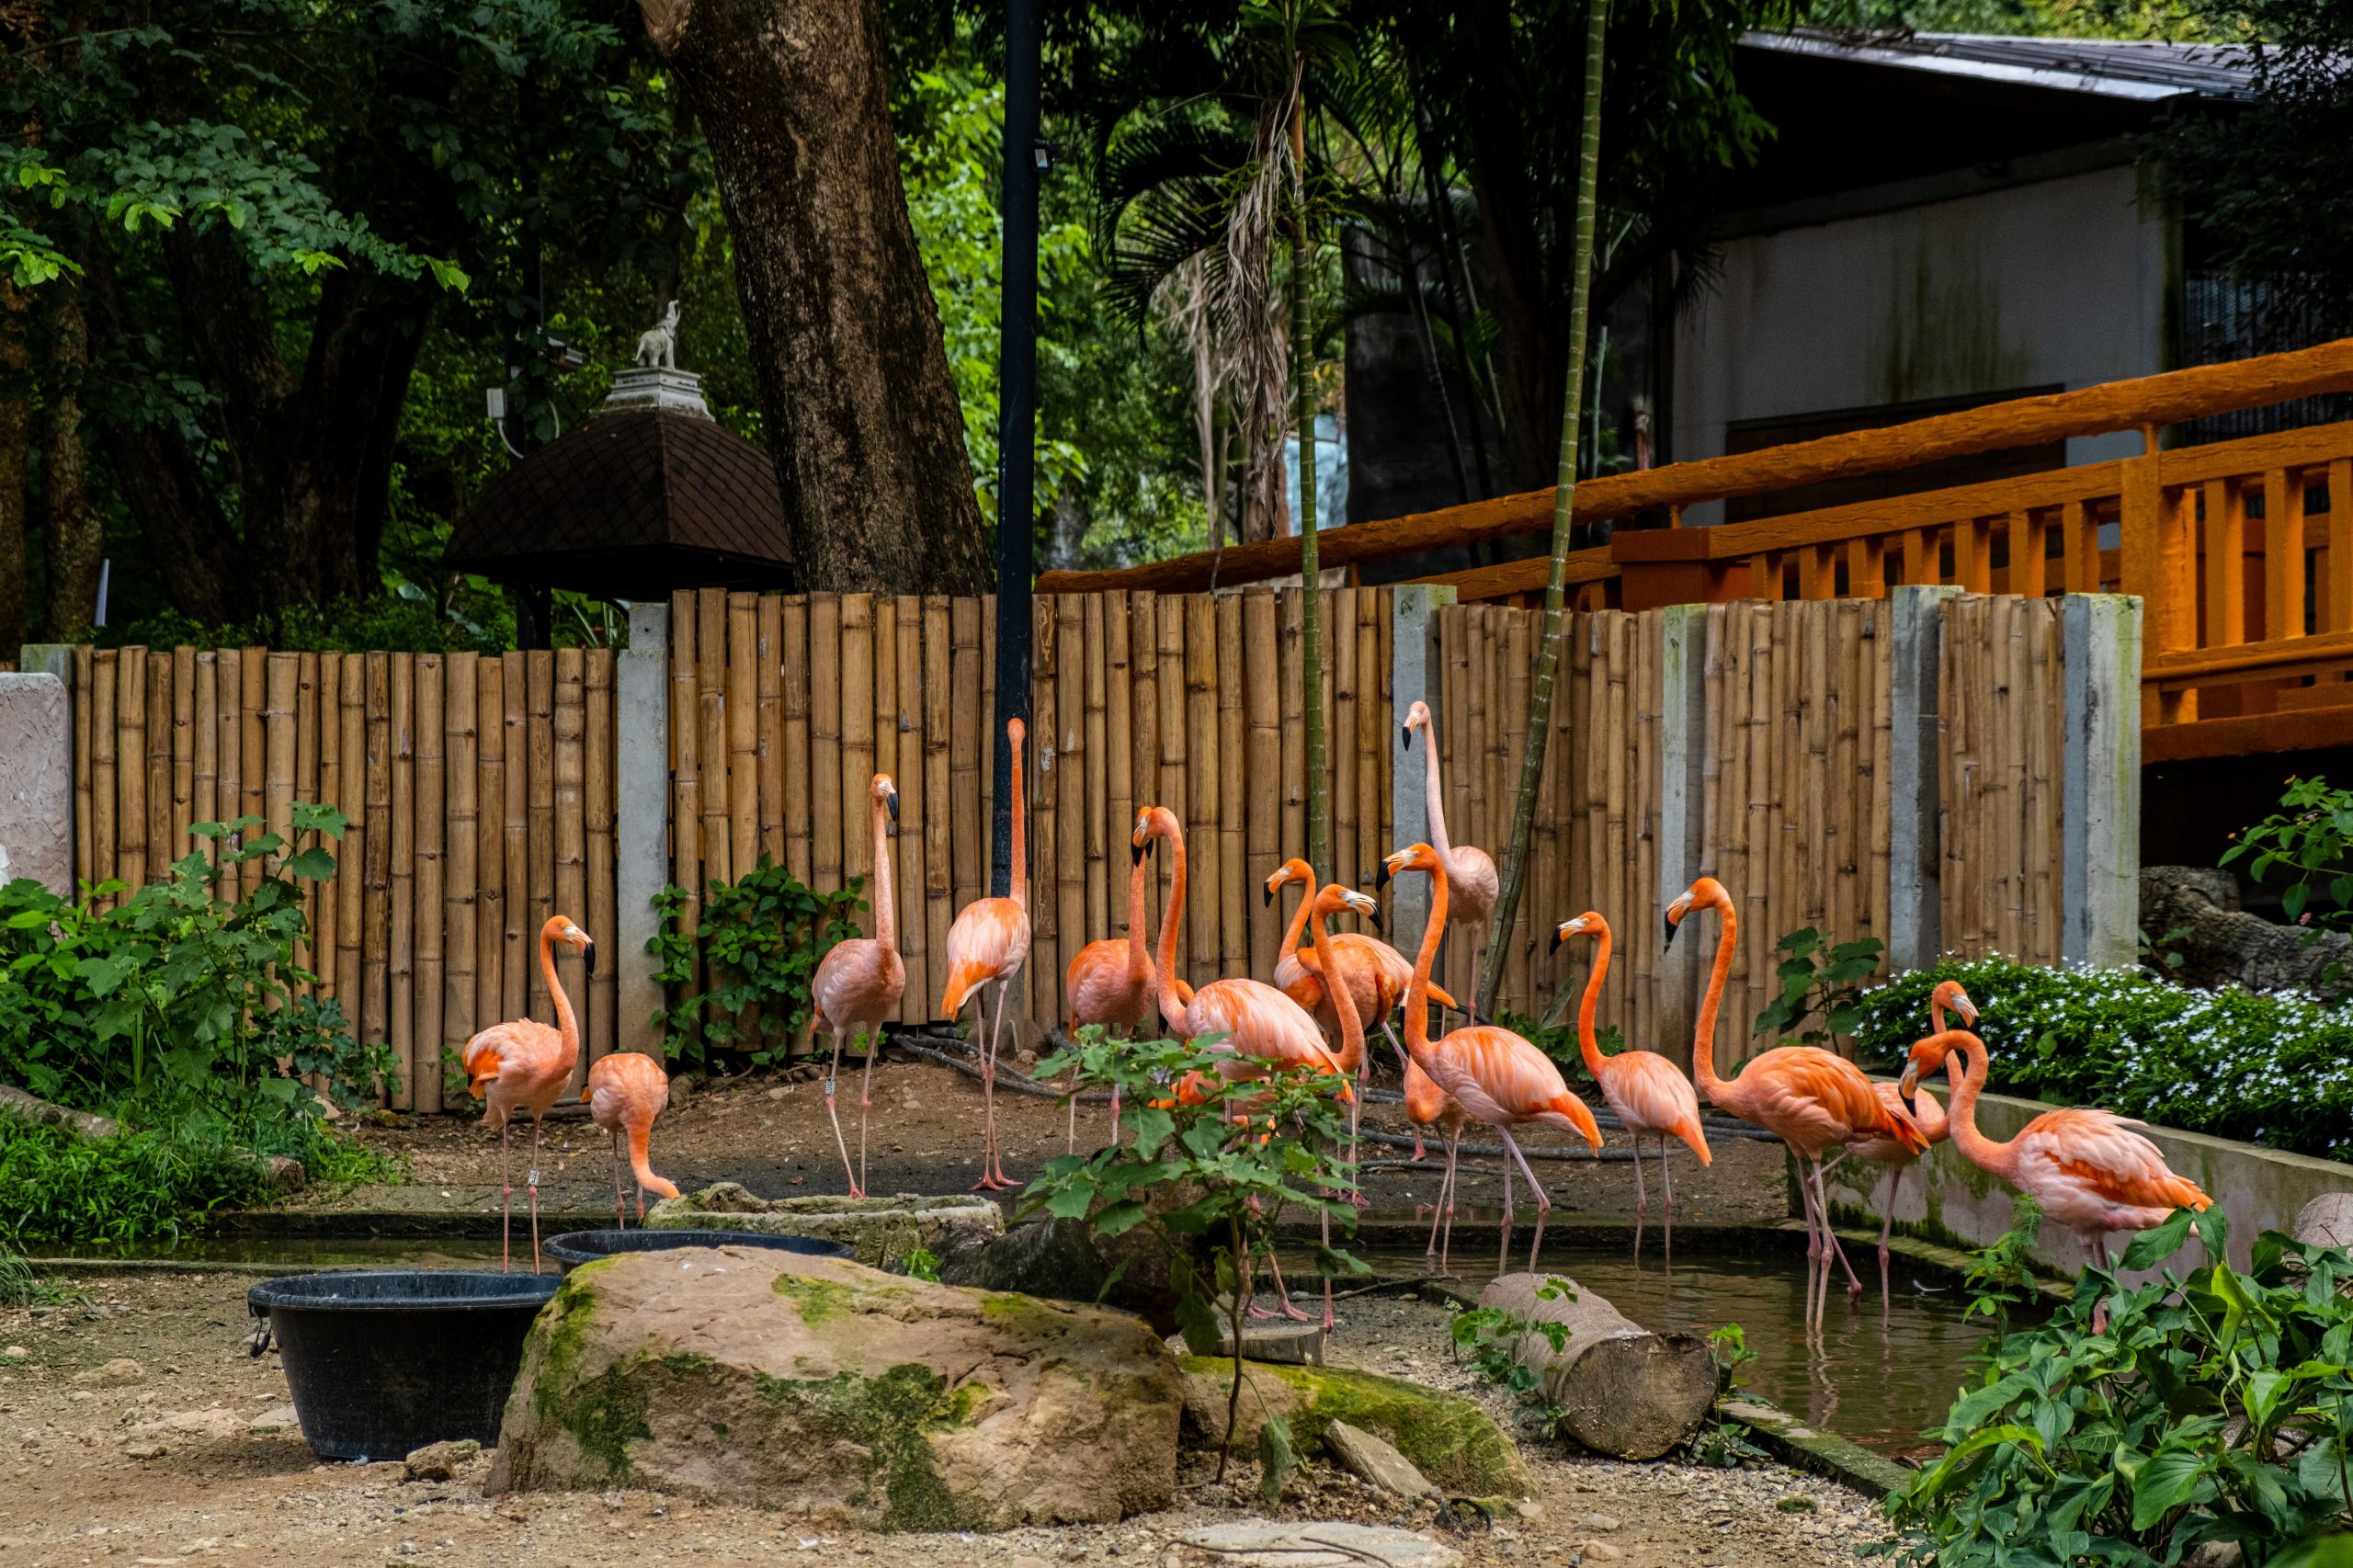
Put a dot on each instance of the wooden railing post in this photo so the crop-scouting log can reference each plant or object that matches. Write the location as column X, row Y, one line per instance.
column 2158, row 559
column 640, row 816
column 1414, row 677
column 1914, row 850
column 2100, row 807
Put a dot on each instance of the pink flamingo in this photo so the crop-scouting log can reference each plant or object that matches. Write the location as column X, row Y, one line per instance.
column 859, row 982
column 1810, row 1099
column 1498, row 1078
column 627, row 1092
column 1111, row 983
column 1470, row 884
column 2088, row 1168
column 525, row 1065
column 1649, row 1094
column 1891, row 1155
column 987, row 945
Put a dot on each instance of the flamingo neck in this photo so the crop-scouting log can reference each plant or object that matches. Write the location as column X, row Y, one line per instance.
column 1171, row 916
column 1968, row 1075
column 1417, row 991
column 565, row 1024
column 1434, row 794
column 1587, row 1046
column 1299, row 923
column 640, row 1165
column 886, row 915
column 1344, row 1001
column 1138, row 949
column 1703, row 1034
column 1020, row 883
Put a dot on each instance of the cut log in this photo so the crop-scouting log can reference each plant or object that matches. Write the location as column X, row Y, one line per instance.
column 2326, row 1221
column 30, row 1110
column 1621, row 1390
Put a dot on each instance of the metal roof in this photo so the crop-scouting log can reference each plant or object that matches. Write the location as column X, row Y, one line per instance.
column 2134, row 70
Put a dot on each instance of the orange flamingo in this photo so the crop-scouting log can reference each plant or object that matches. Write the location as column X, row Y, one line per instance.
column 1111, row 983
column 1342, row 965
column 859, row 982
column 1886, row 1153
column 1649, row 1094
column 1812, row 1100
column 1498, row 1078
column 987, row 945
column 627, row 1092
column 525, row 1066
column 2088, row 1168
column 1470, row 884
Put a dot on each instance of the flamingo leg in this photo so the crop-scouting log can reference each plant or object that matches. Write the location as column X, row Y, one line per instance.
column 835, row 1115
column 1821, row 1198
column 1887, row 1227
column 866, row 1102
column 1666, row 1179
column 1115, row 1116
column 1543, row 1201
column 531, row 1178
column 1282, row 1292
column 996, row 1156
column 1813, row 1248
column 1453, row 1185
column 989, row 1181
column 621, row 1215
column 1641, row 1198
column 1070, row 1133
column 1503, row 1251
column 505, row 1196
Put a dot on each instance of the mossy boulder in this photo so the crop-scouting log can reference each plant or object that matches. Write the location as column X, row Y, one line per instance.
column 840, row 1392
column 878, row 1230
column 1450, row 1439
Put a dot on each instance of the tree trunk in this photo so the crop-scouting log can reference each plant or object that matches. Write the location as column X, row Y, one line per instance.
column 1311, row 610
column 860, row 408
column 16, row 437
column 1622, row 1391
column 72, row 533
column 1565, row 489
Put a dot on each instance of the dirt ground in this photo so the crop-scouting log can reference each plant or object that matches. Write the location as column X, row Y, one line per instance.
column 773, row 1136
column 186, row 1458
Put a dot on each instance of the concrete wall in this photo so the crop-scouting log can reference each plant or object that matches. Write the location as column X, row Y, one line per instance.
column 2259, row 1189
column 35, row 782
column 2057, row 282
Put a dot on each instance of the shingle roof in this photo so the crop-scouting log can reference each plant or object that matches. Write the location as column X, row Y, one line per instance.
column 2135, row 69
column 630, row 503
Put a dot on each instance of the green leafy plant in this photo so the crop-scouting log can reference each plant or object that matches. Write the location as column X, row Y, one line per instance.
column 2158, row 953
column 1729, row 1344
column 2263, row 1068
column 2309, row 841
column 921, row 1263
column 1488, row 1338
column 1212, row 1177
column 1559, row 1040
column 2214, row 1406
column 1724, row 1445
column 1821, row 978
column 740, row 980
column 2000, row 1277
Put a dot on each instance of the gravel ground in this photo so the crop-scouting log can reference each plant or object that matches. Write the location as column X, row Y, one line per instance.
column 185, row 1457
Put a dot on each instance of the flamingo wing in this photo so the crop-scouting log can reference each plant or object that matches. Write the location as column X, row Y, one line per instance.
column 857, row 982
column 988, row 942
column 1102, row 986
column 2082, row 1164
column 1500, row 1078
column 1651, row 1095
column 1259, row 1021
column 1815, row 1101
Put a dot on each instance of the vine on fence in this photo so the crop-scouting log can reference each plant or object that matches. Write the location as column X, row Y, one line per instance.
column 740, row 980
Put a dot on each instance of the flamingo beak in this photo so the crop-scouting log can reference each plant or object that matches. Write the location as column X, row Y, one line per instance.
column 1135, row 852
column 1374, row 915
column 1671, row 928
column 1561, row 935
column 892, row 800
column 1965, row 1007
column 588, row 954
column 1910, row 1085
column 1268, row 895
column 1381, row 877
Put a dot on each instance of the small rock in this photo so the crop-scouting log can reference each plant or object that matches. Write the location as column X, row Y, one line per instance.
column 15, row 1353
column 121, row 1372
column 439, row 1461
column 1376, row 1460
column 384, row 1118
column 1601, row 1552
column 682, row 1088
column 777, row 1093
column 1602, row 1522
column 1260, row 1543
column 147, row 1449
column 328, row 1109
column 277, row 1418
column 283, row 1173
column 184, row 1427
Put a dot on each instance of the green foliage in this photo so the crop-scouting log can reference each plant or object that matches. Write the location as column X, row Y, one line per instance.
column 2000, row 1277
column 1278, row 1458
column 1729, row 1345
column 1559, row 1042
column 755, row 950
column 148, row 1185
column 2310, row 841
column 2263, row 1068
column 1488, row 1338
column 20, row 1287
column 2214, row 1406
column 1724, row 1445
column 1215, row 1174
column 1821, row 977
column 921, row 1263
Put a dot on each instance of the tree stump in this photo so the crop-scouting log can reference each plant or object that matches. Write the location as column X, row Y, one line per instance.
column 1621, row 1390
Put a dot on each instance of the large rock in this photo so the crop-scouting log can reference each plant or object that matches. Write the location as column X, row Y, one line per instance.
column 2193, row 912
column 819, row 1385
column 1065, row 1260
column 1621, row 1389
column 1449, row 1438
column 878, row 1230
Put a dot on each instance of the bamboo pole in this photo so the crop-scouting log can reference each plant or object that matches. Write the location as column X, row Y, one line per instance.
column 1168, row 696
column 374, row 926
column 1119, row 749
column 1232, row 801
column 1095, row 795
column 856, row 765
column 1340, row 656
column 1068, row 781
column 1372, row 714
column 130, row 769
column 1205, row 907
column 1262, row 756
column 710, row 649
column 306, row 788
column 992, row 726
column 205, row 744
column 400, row 977
column 281, row 675
column 351, row 872
column 539, row 685
column 1043, row 974
column 792, row 615
column 460, row 881
column 910, row 840
column 522, row 985
column 162, row 847
column 604, row 986
column 182, row 750
column 324, row 946
column 87, row 870
column 743, row 700
column 490, row 842
column 1516, row 668
column 253, row 738
column 940, row 804
column 685, row 765
column 886, row 717
column 427, row 804
column 967, row 721
column 1291, row 707
column 569, row 731
column 768, row 724
column 1143, row 723
column 229, row 753
column 825, row 650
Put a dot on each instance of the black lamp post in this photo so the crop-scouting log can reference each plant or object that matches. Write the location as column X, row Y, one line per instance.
column 1024, row 159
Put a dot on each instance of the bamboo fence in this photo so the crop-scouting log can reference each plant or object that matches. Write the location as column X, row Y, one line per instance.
column 2004, row 698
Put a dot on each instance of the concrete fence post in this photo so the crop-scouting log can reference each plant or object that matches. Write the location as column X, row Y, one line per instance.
column 642, row 815
column 1682, row 817
column 1413, row 676
column 35, row 782
column 1914, row 850
column 56, row 659
column 2100, row 806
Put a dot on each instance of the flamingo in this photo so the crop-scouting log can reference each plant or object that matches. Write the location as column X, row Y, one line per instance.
column 1262, row 1028
column 2088, row 1169
column 1649, row 1094
column 1470, row 882
column 1342, row 964
column 525, row 1065
column 627, row 1092
column 1498, row 1078
column 1110, row 982
column 1427, row 1104
column 1812, row 1100
column 1887, row 1152
column 859, row 982
column 1377, row 975
column 988, row 944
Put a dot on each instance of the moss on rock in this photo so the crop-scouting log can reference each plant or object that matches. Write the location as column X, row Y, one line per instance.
column 1449, row 1439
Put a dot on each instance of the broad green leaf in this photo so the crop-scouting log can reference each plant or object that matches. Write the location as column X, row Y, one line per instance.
column 2169, row 1479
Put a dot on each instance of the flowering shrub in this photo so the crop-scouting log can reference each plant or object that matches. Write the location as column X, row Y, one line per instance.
column 2270, row 1067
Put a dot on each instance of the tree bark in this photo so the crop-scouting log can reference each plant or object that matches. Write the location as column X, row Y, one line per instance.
column 72, row 532
column 860, row 407
column 16, row 437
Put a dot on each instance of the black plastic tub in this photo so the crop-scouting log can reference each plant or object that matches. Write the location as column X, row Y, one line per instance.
column 575, row 1248
column 384, row 1361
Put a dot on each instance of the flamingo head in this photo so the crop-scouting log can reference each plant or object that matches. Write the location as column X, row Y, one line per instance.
column 1927, row 1056
column 1413, row 858
column 1156, row 822
column 1707, row 892
column 1578, row 927
column 1950, row 995
column 1336, row 898
column 1141, row 839
column 1418, row 717
column 882, row 789
column 560, row 928
column 1016, row 731
column 1293, row 870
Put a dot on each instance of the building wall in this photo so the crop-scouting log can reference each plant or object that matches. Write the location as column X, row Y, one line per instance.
column 2061, row 281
